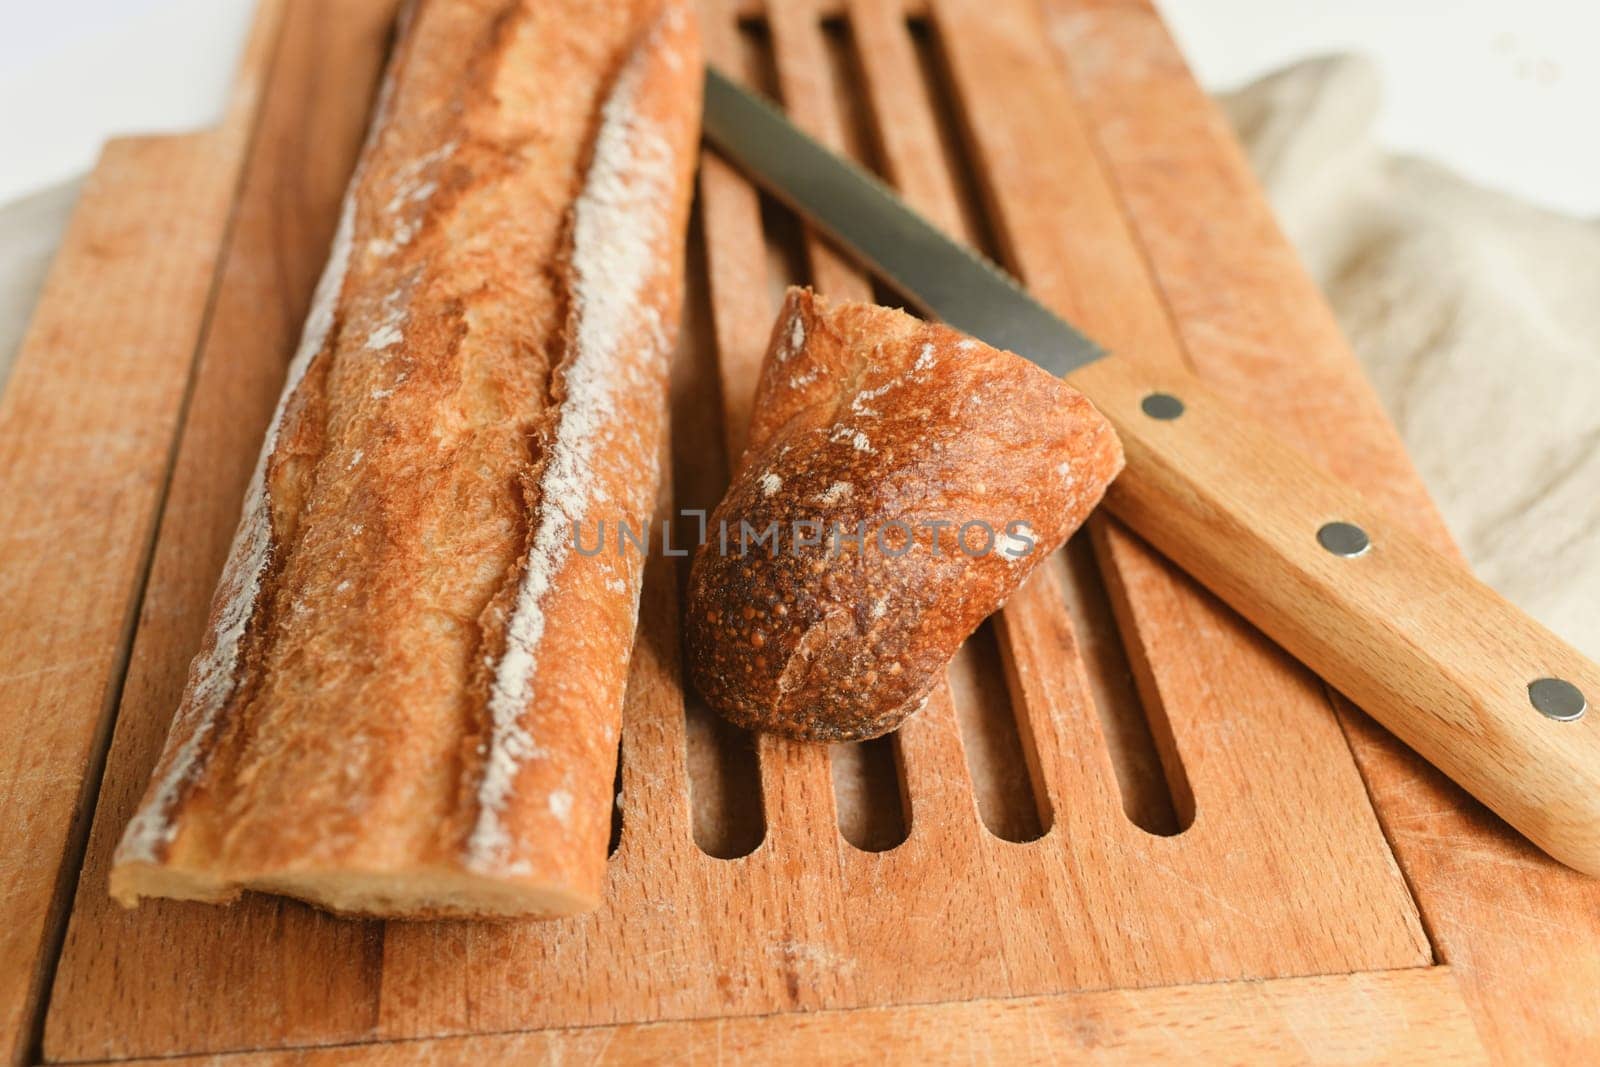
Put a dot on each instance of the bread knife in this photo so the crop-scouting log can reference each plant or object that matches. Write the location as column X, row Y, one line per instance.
column 1480, row 690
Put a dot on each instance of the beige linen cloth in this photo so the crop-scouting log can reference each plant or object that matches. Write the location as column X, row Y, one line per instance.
column 1477, row 317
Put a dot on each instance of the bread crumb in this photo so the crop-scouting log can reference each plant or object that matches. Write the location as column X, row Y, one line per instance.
column 811, row 960
column 770, row 483
column 795, row 341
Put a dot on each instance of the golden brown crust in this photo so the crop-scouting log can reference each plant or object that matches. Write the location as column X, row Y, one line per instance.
column 406, row 706
column 866, row 418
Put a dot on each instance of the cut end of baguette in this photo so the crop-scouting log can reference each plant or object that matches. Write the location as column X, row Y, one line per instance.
column 422, row 893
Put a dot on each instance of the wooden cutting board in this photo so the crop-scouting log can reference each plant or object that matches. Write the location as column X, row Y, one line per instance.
column 1128, row 828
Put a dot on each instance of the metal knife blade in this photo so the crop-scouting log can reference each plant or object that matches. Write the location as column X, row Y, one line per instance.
column 942, row 277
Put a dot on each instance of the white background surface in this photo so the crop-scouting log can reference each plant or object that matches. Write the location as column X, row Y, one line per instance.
column 1505, row 92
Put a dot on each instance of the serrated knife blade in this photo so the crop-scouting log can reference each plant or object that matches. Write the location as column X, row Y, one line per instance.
column 944, row 278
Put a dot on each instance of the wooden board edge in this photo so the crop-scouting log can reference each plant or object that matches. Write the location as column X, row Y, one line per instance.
column 149, row 229
column 1366, row 1017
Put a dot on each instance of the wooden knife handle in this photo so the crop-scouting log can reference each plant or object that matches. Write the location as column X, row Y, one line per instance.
column 1436, row 656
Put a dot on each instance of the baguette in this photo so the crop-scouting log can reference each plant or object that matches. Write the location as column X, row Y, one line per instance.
column 408, row 701
column 915, row 477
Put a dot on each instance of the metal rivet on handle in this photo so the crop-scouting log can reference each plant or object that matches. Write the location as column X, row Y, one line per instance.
column 1161, row 406
column 1557, row 698
column 1344, row 539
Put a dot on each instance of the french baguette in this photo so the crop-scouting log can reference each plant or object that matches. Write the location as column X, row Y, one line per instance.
column 408, row 701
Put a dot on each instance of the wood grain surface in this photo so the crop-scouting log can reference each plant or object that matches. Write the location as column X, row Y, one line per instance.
column 1129, row 828
column 1520, row 931
column 324, row 74
column 1408, row 632
column 1387, row 1017
column 1283, row 871
column 87, row 424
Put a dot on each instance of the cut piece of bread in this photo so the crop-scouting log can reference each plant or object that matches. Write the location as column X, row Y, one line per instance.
column 409, row 698
column 914, row 478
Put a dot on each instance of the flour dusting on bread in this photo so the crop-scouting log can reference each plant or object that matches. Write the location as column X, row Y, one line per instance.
column 616, row 227
column 214, row 674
